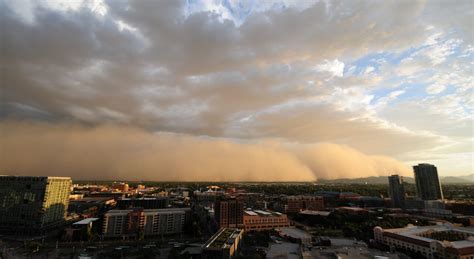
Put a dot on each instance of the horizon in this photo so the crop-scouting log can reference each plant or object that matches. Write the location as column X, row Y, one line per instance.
column 236, row 91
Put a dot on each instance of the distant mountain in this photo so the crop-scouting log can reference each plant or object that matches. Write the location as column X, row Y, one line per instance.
column 364, row 180
column 469, row 177
column 458, row 179
column 384, row 180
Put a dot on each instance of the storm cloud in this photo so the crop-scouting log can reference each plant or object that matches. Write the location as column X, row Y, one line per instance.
column 323, row 88
column 117, row 152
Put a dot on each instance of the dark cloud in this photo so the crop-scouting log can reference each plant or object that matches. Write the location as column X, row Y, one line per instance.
column 147, row 64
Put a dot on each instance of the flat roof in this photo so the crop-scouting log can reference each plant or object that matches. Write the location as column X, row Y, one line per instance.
column 149, row 210
column 118, row 212
column 315, row 212
column 143, row 199
column 415, row 232
column 284, row 250
column 295, row 233
column 223, row 238
column 262, row 213
column 85, row 221
column 251, row 213
column 463, row 243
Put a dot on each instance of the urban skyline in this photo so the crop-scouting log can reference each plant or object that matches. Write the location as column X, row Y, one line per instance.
column 236, row 129
column 235, row 91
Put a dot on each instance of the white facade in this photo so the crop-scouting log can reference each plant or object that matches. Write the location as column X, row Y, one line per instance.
column 419, row 239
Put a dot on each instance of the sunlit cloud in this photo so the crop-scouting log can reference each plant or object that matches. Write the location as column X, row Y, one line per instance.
column 390, row 79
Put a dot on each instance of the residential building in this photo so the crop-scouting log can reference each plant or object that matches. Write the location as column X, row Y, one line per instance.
column 166, row 221
column 396, row 191
column 229, row 212
column 123, row 223
column 264, row 220
column 223, row 245
column 137, row 221
column 295, row 204
column 145, row 203
column 427, row 182
column 32, row 205
column 438, row 241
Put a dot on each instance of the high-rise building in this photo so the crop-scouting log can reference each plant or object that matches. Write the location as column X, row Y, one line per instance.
column 32, row 205
column 229, row 212
column 396, row 190
column 427, row 182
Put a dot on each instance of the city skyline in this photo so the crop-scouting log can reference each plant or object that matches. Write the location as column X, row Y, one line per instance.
column 235, row 91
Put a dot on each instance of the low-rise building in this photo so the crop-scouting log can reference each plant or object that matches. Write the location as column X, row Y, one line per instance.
column 223, row 245
column 295, row 204
column 438, row 241
column 296, row 234
column 83, row 230
column 122, row 187
column 264, row 220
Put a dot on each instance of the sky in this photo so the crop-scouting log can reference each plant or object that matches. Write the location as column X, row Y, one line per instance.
column 207, row 90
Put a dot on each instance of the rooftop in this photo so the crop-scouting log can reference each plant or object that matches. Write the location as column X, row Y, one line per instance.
column 284, row 250
column 315, row 212
column 263, row 213
column 142, row 199
column 295, row 233
column 415, row 232
column 224, row 238
column 85, row 221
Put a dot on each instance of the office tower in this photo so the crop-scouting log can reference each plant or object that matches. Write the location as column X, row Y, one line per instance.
column 229, row 212
column 427, row 182
column 396, row 190
column 32, row 205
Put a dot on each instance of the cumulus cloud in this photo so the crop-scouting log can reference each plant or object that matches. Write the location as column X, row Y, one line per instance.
column 435, row 89
column 117, row 152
